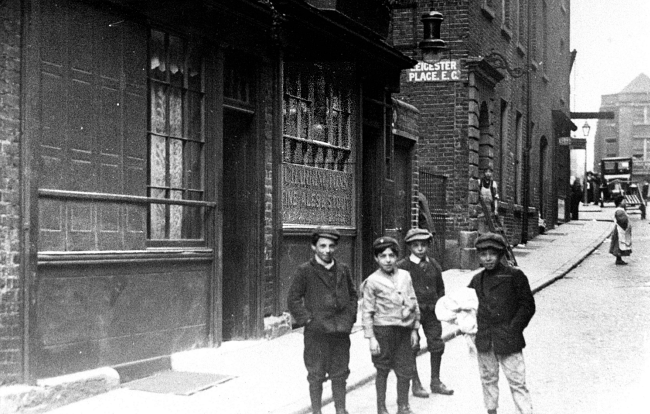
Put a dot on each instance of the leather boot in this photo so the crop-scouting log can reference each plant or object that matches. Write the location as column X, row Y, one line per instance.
column 316, row 396
column 404, row 409
column 417, row 388
column 338, row 394
column 437, row 386
column 380, row 384
column 403, row 396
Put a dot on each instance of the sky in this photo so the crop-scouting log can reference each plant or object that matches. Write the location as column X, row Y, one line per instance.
column 612, row 40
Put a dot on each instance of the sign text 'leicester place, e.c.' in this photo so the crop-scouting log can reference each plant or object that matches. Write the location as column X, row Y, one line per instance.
column 441, row 71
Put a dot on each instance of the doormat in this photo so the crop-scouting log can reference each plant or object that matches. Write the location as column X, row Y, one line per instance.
column 177, row 382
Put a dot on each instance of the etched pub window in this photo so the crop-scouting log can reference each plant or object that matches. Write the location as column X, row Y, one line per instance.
column 318, row 134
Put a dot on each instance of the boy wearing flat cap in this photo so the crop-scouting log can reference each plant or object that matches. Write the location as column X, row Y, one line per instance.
column 391, row 319
column 426, row 275
column 322, row 297
column 505, row 307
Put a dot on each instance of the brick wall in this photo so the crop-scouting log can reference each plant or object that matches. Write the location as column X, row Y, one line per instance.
column 10, row 282
column 459, row 140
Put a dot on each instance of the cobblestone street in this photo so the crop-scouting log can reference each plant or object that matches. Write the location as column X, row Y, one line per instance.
column 588, row 345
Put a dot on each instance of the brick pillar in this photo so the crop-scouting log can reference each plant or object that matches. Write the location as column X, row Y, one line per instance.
column 11, row 285
column 466, row 238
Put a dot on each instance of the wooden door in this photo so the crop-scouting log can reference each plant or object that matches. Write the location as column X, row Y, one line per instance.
column 239, row 226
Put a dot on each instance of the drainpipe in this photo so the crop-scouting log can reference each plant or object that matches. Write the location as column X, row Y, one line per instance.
column 529, row 128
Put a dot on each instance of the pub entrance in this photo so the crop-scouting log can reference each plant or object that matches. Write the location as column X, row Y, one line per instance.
column 240, row 226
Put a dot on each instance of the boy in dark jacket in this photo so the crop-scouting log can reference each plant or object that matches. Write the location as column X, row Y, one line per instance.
column 323, row 298
column 426, row 275
column 505, row 306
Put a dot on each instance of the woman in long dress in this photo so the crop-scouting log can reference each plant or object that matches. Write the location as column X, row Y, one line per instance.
column 621, row 240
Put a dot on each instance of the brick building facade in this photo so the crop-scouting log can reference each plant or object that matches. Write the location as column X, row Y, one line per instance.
column 164, row 164
column 504, row 108
column 628, row 134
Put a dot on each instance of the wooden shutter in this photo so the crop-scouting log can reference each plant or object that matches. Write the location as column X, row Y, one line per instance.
column 93, row 136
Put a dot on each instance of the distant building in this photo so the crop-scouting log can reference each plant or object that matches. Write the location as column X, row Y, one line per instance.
column 496, row 97
column 628, row 134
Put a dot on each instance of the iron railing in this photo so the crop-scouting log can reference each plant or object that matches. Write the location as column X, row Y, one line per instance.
column 434, row 188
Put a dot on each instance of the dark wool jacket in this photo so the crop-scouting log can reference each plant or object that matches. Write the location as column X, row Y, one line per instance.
column 427, row 281
column 326, row 297
column 505, row 306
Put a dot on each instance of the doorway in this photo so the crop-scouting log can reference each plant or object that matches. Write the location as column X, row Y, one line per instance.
column 372, row 181
column 240, row 227
column 403, row 188
column 543, row 149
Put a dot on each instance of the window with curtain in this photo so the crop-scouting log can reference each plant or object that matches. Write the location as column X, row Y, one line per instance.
column 175, row 137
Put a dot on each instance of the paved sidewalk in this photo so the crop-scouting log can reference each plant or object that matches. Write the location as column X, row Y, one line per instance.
column 270, row 375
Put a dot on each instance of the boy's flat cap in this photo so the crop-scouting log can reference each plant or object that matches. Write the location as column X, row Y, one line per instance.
column 385, row 242
column 490, row 240
column 327, row 232
column 417, row 234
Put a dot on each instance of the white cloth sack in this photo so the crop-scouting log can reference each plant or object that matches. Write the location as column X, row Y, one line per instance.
column 459, row 308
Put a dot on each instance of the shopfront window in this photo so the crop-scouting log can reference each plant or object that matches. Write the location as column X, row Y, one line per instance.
column 318, row 147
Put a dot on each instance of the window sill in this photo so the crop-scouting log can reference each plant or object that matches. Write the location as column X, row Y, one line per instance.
column 132, row 256
column 302, row 230
column 506, row 33
column 521, row 50
column 488, row 12
column 518, row 210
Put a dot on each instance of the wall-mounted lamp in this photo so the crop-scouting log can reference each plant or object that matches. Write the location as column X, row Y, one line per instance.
column 431, row 44
column 585, row 129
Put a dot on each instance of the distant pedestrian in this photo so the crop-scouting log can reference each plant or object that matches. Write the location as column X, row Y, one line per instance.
column 323, row 298
column 429, row 286
column 488, row 191
column 391, row 319
column 505, row 307
column 596, row 188
column 621, row 237
column 576, row 197
column 590, row 184
column 604, row 191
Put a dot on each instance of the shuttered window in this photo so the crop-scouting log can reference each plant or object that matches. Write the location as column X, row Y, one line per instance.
column 120, row 126
column 93, row 117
